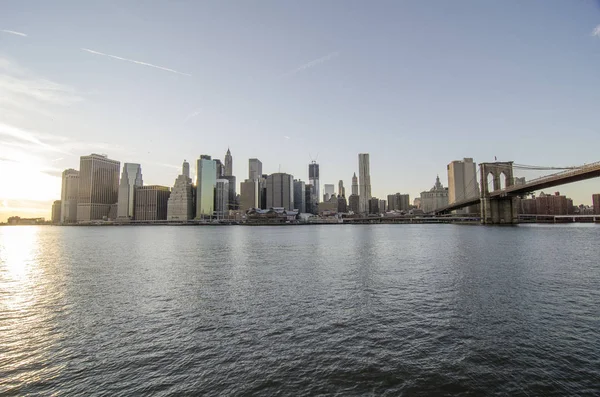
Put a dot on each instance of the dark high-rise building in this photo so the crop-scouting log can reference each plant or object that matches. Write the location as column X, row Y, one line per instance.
column 373, row 205
column 280, row 191
column 313, row 179
column 98, row 186
column 299, row 196
column 151, row 203
column 308, row 192
column 228, row 164
column 596, row 203
column 220, row 168
column 233, row 204
column 398, row 202
column 342, row 205
column 354, row 203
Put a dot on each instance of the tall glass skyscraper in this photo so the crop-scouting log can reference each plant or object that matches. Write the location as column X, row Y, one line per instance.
column 131, row 178
column 313, row 179
column 206, row 180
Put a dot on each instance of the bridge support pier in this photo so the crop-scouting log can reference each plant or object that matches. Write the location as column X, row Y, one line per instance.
column 499, row 211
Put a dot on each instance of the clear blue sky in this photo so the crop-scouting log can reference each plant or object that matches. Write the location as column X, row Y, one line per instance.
column 416, row 84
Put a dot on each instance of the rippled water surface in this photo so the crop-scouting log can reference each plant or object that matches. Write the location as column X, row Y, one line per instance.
column 333, row 309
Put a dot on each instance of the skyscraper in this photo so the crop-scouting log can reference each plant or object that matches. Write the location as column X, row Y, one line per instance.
column 308, row 194
column 341, row 189
column 206, row 179
column 354, row 184
column 280, row 191
column 56, row 208
column 151, row 203
column 364, row 182
column 180, row 206
column 329, row 191
column 98, row 186
column 68, row 196
column 232, row 192
column 221, row 198
column 354, row 203
column 596, row 203
column 254, row 169
column 249, row 194
column 299, row 189
column 313, row 179
column 228, row 163
column 462, row 182
column 220, row 168
column 131, row 178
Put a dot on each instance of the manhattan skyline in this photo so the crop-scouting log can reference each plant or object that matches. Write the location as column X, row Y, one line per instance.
column 415, row 85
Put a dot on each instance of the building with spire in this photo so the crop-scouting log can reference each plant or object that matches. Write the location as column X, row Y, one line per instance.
column 228, row 164
column 131, row 179
column 355, row 185
column 364, row 182
column 436, row 197
column 180, row 206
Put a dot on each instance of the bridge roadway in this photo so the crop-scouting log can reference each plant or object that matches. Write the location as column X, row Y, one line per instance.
column 587, row 171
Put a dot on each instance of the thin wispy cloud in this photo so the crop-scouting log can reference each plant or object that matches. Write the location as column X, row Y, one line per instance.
column 311, row 64
column 286, row 137
column 596, row 31
column 137, row 62
column 191, row 115
column 19, row 86
column 13, row 32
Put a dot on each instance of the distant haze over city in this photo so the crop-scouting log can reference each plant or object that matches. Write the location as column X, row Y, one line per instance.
column 416, row 85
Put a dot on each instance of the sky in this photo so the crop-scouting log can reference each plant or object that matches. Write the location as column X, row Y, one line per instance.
column 417, row 84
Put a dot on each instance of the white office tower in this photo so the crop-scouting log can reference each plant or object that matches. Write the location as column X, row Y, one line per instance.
column 364, row 182
column 221, row 198
column 131, row 178
column 180, row 206
column 254, row 169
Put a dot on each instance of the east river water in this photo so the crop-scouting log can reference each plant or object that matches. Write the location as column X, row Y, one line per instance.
column 300, row 310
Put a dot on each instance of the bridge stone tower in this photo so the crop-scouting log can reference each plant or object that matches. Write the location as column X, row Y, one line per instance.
column 499, row 209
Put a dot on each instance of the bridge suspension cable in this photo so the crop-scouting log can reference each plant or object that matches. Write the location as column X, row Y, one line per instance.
column 542, row 168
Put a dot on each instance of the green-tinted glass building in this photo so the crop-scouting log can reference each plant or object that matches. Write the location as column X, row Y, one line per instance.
column 206, row 179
